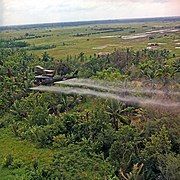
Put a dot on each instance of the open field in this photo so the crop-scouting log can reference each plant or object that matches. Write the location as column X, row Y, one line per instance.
column 97, row 38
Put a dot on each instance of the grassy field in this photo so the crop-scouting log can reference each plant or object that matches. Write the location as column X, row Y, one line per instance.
column 23, row 152
column 95, row 38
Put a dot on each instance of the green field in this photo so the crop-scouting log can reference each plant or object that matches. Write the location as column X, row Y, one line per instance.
column 98, row 40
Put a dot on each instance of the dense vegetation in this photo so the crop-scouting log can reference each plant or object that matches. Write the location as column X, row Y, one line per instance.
column 89, row 138
column 12, row 44
column 60, row 136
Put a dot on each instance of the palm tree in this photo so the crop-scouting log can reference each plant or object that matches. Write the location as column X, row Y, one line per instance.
column 134, row 174
column 118, row 113
column 45, row 57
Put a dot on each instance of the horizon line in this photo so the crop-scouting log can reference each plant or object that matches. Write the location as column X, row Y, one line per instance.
column 93, row 20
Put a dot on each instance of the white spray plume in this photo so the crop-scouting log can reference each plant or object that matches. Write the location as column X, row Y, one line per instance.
column 111, row 87
column 144, row 102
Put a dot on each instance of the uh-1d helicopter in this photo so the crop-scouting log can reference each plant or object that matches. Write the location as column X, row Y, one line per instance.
column 48, row 76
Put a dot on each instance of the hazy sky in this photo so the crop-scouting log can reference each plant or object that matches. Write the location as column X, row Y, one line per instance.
column 37, row 11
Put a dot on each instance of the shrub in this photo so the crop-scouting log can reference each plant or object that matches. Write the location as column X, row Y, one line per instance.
column 8, row 161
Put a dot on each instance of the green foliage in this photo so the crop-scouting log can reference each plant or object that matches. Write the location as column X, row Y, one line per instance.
column 110, row 74
column 169, row 166
column 118, row 114
column 13, row 44
column 81, row 131
column 41, row 47
column 73, row 164
column 60, row 141
column 90, row 139
column 69, row 123
column 156, row 146
column 135, row 174
column 159, row 143
column 124, row 150
column 8, row 161
column 16, row 77
column 46, row 57
column 39, row 116
column 104, row 142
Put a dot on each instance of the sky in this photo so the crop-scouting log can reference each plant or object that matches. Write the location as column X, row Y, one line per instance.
column 15, row 12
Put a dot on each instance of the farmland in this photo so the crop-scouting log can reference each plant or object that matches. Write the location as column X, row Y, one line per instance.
column 60, row 42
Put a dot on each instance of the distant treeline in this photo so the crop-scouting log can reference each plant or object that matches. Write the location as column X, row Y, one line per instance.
column 100, row 31
column 32, row 36
column 24, row 45
column 41, row 47
column 12, row 44
column 80, row 23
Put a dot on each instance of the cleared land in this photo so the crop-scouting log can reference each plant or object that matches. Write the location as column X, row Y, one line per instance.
column 60, row 42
